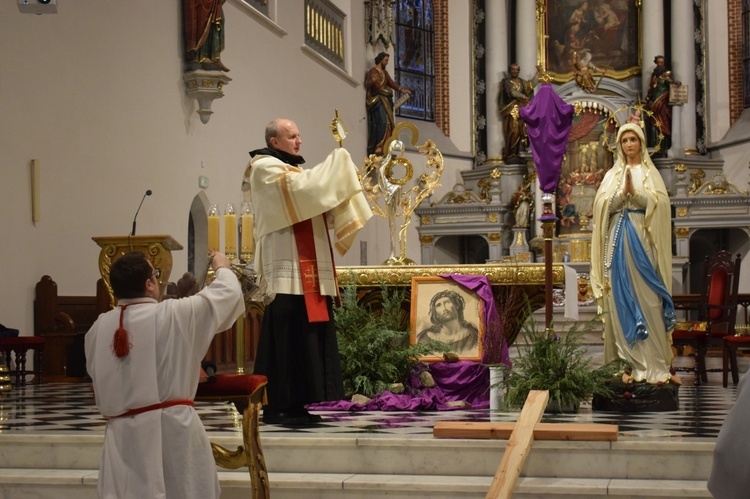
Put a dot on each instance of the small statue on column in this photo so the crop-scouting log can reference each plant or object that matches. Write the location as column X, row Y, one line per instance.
column 659, row 122
column 515, row 93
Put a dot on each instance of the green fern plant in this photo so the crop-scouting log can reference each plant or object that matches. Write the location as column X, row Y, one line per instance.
column 559, row 364
column 375, row 352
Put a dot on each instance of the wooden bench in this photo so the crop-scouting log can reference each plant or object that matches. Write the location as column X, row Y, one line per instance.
column 63, row 321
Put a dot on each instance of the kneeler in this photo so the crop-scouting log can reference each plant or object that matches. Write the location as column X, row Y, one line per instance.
column 248, row 393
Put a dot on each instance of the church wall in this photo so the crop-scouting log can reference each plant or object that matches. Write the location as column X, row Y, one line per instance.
column 95, row 94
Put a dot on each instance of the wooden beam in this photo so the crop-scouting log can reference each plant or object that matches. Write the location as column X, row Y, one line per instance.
column 519, row 444
column 542, row 431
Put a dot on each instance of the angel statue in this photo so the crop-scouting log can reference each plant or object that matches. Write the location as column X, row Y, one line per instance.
column 385, row 182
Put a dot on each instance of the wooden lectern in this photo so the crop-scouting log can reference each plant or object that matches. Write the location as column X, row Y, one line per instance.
column 157, row 248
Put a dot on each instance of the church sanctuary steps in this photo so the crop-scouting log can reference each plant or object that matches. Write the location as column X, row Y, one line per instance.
column 63, row 466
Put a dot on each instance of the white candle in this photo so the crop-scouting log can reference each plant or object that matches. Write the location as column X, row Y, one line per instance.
column 247, row 233
column 213, row 232
column 230, row 234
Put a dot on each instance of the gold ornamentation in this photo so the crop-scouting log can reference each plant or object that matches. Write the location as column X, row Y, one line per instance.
column 390, row 197
column 426, row 239
column 408, row 171
column 494, row 218
column 635, row 112
column 496, row 173
column 484, row 189
column 680, row 168
column 682, row 232
column 338, row 129
column 719, row 185
column 251, row 453
column 682, row 211
column 696, row 180
column 426, row 220
column 580, row 250
column 494, row 237
column 157, row 248
column 523, row 257
column 498, row 274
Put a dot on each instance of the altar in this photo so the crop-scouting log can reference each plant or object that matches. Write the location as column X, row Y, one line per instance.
column 525, row 280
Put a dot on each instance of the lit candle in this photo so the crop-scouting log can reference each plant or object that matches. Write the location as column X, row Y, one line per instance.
column 213, row 228
column 247, row 233
column 230, row 232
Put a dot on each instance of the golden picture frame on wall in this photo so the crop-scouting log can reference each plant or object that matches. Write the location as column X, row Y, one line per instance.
column 445, row 311
column 605, row 34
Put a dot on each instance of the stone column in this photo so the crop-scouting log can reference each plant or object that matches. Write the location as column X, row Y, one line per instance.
column 683, row 70
column 526, row 41
column 653, row 40
column 496, row 54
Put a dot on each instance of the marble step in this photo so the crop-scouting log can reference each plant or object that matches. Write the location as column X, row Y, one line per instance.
column 679, row 459
column 81, row 484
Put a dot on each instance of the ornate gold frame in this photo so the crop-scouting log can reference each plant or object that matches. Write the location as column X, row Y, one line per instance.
column 473, row 310
column 543, row 37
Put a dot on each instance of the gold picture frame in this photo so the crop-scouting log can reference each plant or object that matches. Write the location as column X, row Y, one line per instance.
column 443, row 310
column 609, row 30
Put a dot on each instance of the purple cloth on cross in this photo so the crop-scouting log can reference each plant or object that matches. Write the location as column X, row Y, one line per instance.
column 548, row 121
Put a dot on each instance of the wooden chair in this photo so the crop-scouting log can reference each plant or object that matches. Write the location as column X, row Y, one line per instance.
column 717, row 311
column 20, row 345
column 248, row 393
column 729, row 356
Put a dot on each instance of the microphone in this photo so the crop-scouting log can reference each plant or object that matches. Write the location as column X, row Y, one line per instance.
column 148, row 193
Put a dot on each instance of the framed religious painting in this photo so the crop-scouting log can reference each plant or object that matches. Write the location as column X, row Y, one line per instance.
column 602, row 35
column 444, row 311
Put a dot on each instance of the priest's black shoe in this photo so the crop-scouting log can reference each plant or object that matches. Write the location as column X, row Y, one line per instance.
column 290, row 418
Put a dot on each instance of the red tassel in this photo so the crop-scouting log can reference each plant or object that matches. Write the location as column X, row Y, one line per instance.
column 121, row 342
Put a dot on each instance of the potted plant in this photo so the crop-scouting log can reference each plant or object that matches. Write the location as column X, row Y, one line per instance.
column 374, row 349
column 558, row 363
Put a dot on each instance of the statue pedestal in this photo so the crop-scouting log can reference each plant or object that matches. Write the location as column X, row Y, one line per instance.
column 157, row 248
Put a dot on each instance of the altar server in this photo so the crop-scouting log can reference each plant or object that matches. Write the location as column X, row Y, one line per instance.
column 144, row 358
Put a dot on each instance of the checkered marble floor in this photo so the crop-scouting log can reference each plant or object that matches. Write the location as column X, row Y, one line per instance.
column 69, row 408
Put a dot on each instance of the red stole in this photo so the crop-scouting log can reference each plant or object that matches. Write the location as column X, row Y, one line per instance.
column 315, row 302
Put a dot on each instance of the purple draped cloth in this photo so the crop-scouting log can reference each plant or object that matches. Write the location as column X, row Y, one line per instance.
column 465, row 381
column 548, row 121
column 493, row 330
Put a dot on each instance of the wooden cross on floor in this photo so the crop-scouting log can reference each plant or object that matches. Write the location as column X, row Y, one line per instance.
column 520, row 435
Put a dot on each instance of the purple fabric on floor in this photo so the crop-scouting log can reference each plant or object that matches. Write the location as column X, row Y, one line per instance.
column 464, row 380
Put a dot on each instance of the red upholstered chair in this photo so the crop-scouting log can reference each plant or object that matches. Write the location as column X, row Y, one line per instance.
column 717, row 311
column 248, row 393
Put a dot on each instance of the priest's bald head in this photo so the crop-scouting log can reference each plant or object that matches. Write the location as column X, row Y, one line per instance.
column 283, row 135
